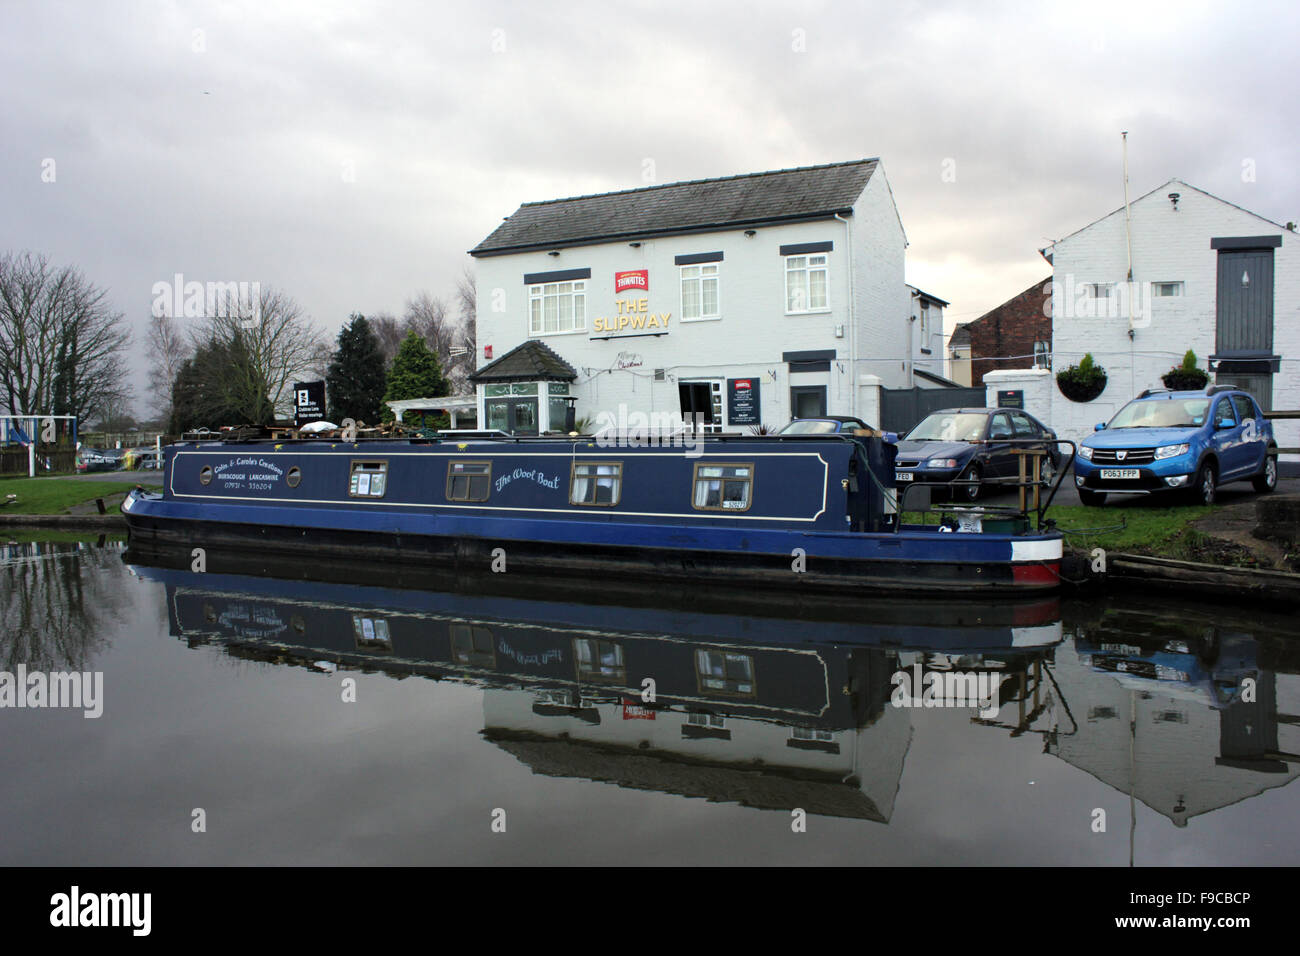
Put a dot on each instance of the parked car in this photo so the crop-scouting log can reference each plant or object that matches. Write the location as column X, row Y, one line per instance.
column 96, row 459
column 823, row 425
column 974, row 445
column 1187, row 442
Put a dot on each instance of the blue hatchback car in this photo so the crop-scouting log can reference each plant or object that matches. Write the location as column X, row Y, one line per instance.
column 1188, row 442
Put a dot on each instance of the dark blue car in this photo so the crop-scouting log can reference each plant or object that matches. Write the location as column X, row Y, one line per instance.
column 1188, row 442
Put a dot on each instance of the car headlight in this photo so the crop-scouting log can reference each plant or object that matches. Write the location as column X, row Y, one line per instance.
column 1171, row 451
column 942, row 463
column 1085, row 453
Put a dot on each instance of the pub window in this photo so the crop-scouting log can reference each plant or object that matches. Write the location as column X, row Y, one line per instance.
column 599, row 660
column 806, row 284
column 1166, row 289
column 557, row 307
column 700, row 292
column 369, row 479
column 809, row 733
column 722, row 487
column 472, row 644
column 725, row 672
column 1100, row 290
column 699, row 718
column 1042, row 354
column 468, row 480
column 596, row 483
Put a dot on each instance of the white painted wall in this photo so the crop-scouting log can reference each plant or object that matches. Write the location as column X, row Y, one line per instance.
column 931, row 338
column 1168, row 246
column 754, row 329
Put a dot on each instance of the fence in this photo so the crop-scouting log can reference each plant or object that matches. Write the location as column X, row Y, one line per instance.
column 1287, row 414
column 902, row 408
column 50, row 460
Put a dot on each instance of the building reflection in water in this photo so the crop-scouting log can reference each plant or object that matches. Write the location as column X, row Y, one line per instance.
column 778, row 713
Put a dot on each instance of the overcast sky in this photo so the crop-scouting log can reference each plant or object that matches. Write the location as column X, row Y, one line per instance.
column 349, row 154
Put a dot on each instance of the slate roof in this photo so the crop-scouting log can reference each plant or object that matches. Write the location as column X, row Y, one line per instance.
column 533, row 361
column 733, row 202
column 750, row 785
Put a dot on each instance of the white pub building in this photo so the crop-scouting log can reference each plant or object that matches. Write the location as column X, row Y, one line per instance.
column 739, row 301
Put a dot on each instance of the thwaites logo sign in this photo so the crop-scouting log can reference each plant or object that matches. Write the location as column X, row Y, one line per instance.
column 635, row 279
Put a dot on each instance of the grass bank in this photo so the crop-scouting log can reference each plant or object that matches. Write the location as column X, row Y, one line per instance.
column 52, row 496
column 1160, row 532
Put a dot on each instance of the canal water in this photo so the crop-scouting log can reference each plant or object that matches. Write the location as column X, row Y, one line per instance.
column 245, row 718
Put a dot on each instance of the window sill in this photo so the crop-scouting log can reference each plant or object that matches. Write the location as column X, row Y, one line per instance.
column 703, row 318
column 542, row 335
column 825, row 311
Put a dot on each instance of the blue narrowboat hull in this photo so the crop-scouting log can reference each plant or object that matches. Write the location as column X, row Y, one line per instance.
column 801, row 518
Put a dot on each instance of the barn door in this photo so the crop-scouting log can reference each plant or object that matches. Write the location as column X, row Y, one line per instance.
column 1244, row 304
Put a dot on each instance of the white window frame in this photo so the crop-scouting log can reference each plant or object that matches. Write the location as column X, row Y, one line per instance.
column 699, row 279
column 1042, row 354
column 574, row 289
column 1176, row 294
column 806, row 270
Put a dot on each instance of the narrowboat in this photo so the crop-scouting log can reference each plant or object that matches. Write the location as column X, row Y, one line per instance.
column 805, row 512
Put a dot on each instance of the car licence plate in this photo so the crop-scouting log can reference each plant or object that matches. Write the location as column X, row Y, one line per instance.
column 1120, row 473
column 902, row 476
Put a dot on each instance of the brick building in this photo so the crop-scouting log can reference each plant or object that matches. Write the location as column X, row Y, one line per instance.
column 1016, row 334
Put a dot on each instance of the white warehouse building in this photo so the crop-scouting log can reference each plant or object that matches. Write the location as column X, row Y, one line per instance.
column 740, row 301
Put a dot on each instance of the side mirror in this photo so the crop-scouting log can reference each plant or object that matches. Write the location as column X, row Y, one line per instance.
column 1100, row 426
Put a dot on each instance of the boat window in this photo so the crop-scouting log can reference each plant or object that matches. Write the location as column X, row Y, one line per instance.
column 599, row 660
column 469, row 480
column 369, row 479
column 205, row 475
column 371, row 633
column 294, row 477
column 596, row 483
column 722, row 487
column 472, row 644
column 725, row 672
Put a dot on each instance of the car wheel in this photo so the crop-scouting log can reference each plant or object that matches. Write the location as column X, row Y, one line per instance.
column 968, row 492
column 1266, row 480
column 1093, row 499
column 1205, row 486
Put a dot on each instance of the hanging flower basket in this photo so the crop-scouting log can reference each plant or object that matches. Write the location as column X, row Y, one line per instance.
column 1186, row 377
column 1082, row 382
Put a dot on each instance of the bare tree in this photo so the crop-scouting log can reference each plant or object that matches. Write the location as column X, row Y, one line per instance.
column 389, row 331
column 167, row 350
column 280, row 342
column 467, row 314
column 61, row 342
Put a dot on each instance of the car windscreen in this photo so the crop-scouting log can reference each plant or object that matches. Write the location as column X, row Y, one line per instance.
column 808, row 427
column 1171, row 413
column 949, row 426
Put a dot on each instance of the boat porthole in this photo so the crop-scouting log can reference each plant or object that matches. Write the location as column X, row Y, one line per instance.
column 205, row 475
column 297, row 623
column 294, row 476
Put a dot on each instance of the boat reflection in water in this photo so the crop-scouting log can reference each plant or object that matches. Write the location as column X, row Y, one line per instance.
column 760, row 710
column 788, row 705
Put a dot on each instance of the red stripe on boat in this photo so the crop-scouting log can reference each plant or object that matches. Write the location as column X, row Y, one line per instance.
column 1036, row 573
